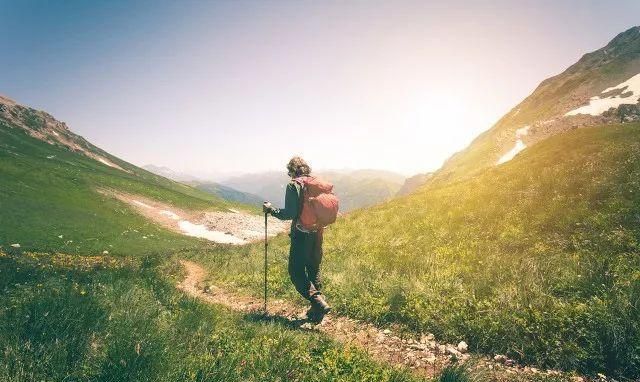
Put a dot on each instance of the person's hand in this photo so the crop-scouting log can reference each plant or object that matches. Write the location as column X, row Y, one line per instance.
column 267, row 208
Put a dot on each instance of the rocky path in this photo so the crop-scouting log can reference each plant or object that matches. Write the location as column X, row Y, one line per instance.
column 423, row 355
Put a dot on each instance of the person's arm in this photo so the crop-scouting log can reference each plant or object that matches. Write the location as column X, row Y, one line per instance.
column 291, row 203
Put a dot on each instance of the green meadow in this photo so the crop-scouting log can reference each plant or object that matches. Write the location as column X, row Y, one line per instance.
column 537, row 258
column 70, row 313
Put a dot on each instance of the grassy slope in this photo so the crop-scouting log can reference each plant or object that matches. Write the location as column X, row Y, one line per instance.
column 43, row 198
column 69, row 317
column 537, row 258
column 616, row 62
column 95, row 319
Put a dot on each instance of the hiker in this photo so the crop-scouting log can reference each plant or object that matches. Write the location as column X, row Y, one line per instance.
column 307, row 225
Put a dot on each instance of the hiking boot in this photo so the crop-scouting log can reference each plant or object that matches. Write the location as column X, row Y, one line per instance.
column 319, row 309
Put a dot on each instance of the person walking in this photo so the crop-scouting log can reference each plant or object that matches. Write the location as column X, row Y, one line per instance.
column 306, row 198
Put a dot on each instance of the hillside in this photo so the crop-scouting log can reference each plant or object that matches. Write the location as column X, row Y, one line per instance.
column 55, row 192
column 87, row 284
column 537, row 259
column 414, row 182
column 227, row 193
column 355, row 188
column 603, row 87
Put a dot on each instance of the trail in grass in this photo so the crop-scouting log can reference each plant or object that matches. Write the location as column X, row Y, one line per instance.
column 424, row 355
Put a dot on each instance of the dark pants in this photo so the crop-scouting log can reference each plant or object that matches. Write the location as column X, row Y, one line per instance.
column 305, row 255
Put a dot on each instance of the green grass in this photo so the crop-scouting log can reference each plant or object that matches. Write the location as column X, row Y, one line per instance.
column 47, row 191
column 537, row 259
column 107, row 319
column 79, row 317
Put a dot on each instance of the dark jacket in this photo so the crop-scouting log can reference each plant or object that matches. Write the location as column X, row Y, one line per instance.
column 291, row 208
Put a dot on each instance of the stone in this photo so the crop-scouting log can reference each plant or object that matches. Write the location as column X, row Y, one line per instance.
column 462, row 347
column 418, row 346
column 105, row 252
column 386, row 331
column 453, row 351
column 426, row 338
column 16, row 245
column 500, row 358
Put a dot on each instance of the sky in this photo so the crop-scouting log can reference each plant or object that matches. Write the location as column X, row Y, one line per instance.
column 213, row 88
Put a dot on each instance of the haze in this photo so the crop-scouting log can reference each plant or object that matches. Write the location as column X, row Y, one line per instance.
column 218, row 87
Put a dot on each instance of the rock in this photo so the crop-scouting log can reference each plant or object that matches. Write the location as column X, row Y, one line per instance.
column 430, row 360
column 577, row 379
column 60, row 236
column 386, row 331
column 105, row 252
column 462, row 347
column 500, row 358
column 16, row 245
column 509, row 362
column 453, row 351
column 442, row 349
column 426, row 338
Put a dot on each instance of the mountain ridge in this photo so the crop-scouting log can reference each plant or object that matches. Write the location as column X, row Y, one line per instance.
column 544, row 112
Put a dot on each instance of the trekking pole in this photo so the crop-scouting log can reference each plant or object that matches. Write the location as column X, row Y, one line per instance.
column 265, row 262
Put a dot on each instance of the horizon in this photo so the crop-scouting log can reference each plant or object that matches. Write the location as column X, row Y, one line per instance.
column 212, row 88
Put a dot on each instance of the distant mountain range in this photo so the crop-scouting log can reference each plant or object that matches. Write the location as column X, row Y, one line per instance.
column 355, row 188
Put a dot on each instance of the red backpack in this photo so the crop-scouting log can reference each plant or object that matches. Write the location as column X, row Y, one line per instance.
column 319, row 205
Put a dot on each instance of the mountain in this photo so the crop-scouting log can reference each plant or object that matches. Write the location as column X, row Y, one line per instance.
column 413, row 183
column 169, row 173
column 222, row 191
column 52, row 191
column 227, row 193
column 355, row 188
column 602, row 88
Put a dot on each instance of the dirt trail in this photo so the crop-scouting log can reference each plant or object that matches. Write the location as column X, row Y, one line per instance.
column 423, row 355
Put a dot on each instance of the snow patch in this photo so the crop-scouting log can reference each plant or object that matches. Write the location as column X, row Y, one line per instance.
column 598, row 105
column 170, row 214
column 199, row 230
column 519, row 146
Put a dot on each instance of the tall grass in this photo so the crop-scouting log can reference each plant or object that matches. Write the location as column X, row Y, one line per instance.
column 99, row 319
column 538, row 259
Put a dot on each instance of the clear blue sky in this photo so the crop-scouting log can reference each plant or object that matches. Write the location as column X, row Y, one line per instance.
column 240, row 86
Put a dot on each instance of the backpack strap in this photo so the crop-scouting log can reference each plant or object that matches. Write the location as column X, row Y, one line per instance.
column 300, row 182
